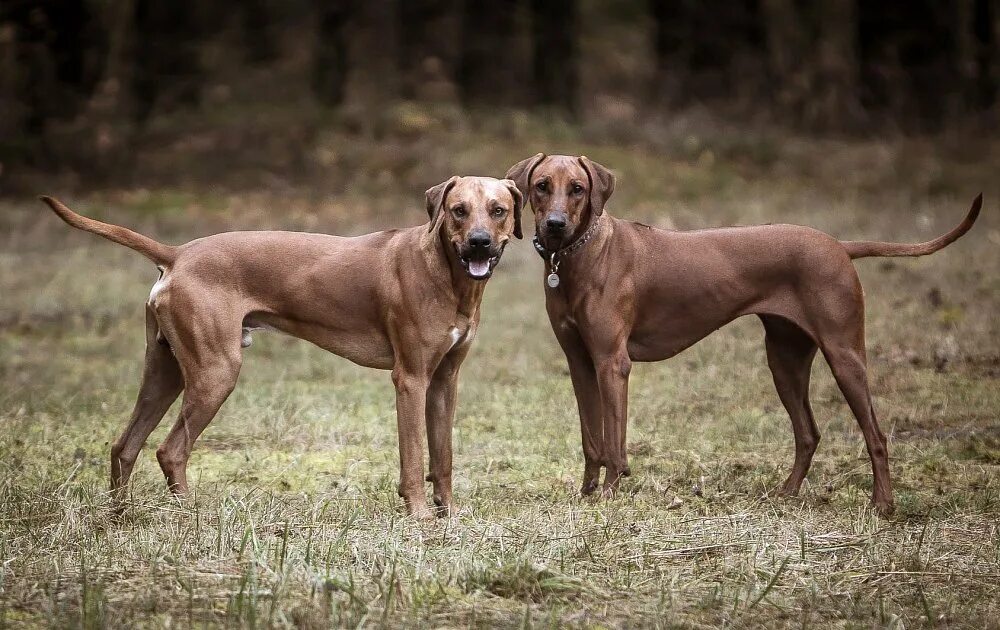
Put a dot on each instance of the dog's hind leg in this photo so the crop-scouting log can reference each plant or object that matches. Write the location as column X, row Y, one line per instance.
column 208, row 386
column 848, row 364
column 161, row 383
column 790, row 353
column 208, row 349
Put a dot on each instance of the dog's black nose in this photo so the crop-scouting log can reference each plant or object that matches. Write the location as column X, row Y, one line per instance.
column 556, row 222
column 480, row 239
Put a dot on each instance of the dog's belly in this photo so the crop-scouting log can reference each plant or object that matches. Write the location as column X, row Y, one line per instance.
column 660, row 338
column 368, row 348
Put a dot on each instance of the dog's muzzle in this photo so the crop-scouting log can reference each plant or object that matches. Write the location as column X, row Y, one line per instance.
column 479, row 262
column 554, row 230
column 553, row 240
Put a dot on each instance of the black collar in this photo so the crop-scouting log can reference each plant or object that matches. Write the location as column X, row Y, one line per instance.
column 548, row 255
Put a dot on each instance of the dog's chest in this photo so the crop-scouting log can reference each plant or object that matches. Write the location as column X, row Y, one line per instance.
column 567, row 322
column 461, row 333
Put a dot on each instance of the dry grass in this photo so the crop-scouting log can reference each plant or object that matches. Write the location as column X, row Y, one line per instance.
column 295, row 519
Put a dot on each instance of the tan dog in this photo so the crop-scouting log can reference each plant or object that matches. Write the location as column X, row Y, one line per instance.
column 619, row 292
column 402, row 300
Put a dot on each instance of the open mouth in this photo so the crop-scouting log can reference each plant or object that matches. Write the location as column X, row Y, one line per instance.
column 479, row 265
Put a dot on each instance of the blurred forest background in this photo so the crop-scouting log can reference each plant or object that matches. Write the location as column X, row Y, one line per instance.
column 247, row 94
column 181, row 118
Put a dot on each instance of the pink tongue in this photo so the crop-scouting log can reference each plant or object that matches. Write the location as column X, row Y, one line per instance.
column 479, row 268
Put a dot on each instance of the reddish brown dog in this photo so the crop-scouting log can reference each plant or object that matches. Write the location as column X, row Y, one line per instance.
column 619, row 292
column 402, row 300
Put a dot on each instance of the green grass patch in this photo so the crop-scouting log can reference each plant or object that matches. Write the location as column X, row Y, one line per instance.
column 295, row 519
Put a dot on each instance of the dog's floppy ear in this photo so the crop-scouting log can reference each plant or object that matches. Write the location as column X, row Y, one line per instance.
column 602, row 184
column 520, row 173
column 435, row 200
column 518, row 204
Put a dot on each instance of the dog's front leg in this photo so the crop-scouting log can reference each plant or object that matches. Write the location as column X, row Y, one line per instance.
column 613, row 369
column 588, row 402
column 441, row 399
column 411, row 401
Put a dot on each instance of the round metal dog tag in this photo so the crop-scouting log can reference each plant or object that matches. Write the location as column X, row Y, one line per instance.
column 552, row 280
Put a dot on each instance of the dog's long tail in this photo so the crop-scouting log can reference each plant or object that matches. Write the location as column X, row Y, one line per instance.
column 157, row 252
column 862, row 249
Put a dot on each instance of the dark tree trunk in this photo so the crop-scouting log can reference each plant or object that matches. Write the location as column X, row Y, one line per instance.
column 422, row 46
column 786, row 34
column 258, row 35
column 372, row 44
column 668, row 52
column 167, row 67
column 704, row 52
column 330, row 63
column 554, row 60
column 835, row 97
column 993, row 54
column 53, row 58
column 60, row 45
column 487, row 30
column 985, row 49
column 966, row 70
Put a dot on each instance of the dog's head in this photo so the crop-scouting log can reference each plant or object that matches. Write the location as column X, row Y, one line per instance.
column 564, row 192
column 477, row 216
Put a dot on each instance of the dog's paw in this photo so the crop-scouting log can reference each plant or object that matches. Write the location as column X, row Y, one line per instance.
column 421, row 513
column 444, row 507
column 784, row 492
column 885, row 509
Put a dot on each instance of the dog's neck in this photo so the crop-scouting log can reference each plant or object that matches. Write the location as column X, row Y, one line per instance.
column 585, row 231
column 579, row 268
column 586, row 237
column 580, row 236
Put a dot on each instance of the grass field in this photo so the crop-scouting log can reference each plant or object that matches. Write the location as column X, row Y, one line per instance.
column 295, row 520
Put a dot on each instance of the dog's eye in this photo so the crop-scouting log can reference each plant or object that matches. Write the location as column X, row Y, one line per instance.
column 577, row 189
column 459, row 212
column 542, row 186
column 499, row 212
